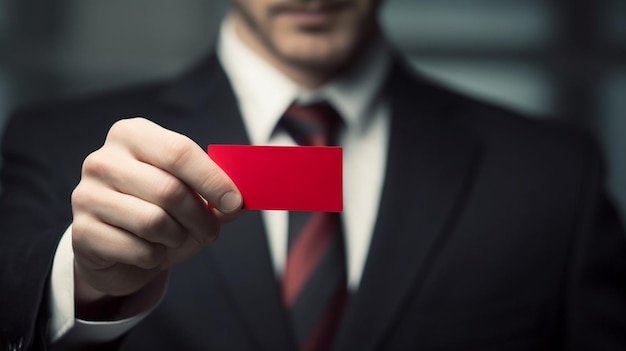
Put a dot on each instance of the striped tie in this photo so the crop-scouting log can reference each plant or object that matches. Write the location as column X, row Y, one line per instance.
column 314, row 283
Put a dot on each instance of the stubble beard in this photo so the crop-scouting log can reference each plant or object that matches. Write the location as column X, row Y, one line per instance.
column 323, row 66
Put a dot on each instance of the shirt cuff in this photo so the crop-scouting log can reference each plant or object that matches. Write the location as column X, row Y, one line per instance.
column 61, row 295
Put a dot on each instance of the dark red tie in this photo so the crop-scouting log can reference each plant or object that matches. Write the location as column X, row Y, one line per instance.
column 314, row 283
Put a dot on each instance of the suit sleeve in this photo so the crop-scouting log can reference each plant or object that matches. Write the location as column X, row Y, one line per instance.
column 34, row 210
column 595, row 298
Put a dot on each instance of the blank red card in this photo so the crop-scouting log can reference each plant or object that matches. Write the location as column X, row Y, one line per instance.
column 298, row 178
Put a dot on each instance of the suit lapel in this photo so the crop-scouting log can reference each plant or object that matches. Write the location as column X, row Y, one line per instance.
column 241, row 254
column 429, row 169
column 242, row 257
column 421, row 195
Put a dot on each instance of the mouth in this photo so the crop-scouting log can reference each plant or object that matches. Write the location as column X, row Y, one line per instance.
column 312, row 14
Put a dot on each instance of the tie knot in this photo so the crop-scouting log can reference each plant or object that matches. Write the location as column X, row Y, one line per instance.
column 312, row 125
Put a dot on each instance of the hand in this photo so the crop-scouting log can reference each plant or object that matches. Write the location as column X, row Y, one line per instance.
column 141, row 207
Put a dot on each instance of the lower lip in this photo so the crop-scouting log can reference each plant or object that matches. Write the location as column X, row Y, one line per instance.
column 311, row 18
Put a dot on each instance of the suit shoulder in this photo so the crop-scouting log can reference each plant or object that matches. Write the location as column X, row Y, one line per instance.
column 534, row 133
column 550, row 145
column 504, row 133
column 505, row 126
column 484, row 119
column 96, row 111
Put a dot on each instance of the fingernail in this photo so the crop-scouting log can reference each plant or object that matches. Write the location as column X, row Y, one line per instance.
column 230, row 202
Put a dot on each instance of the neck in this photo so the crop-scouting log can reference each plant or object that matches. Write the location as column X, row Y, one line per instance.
column 312, row 76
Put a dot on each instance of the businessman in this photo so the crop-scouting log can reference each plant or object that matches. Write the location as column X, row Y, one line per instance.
column 465, row 225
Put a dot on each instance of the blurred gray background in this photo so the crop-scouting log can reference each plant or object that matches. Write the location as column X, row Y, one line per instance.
column 562, row 58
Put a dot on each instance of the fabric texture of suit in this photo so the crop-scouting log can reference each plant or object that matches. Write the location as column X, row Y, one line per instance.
column 493, row 232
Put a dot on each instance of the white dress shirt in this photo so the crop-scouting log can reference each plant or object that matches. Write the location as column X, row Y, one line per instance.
column 264, row 93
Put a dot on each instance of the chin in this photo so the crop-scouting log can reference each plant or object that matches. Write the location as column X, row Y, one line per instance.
column 318, row 65
column 321, row 56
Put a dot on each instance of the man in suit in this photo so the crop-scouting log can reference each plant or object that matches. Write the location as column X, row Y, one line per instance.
column 465, row 225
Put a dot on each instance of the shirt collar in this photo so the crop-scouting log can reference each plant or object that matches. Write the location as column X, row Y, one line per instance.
column 264, row 93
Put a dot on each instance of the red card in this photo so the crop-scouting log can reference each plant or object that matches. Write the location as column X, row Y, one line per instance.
column 297, row 178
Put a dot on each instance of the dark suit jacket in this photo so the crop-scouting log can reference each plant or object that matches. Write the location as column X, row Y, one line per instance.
column 493, row 232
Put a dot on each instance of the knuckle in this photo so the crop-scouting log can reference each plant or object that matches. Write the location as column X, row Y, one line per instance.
column 79, row 227
column 80, row 197
column 82, row 240
column 178, row 150
column 150, row 256
column 154, row 222
column 97, row 163
column 171, row 190
column 119, row 129
column 124, row 127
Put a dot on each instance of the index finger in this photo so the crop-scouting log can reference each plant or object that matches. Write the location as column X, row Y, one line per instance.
column 180, row 156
